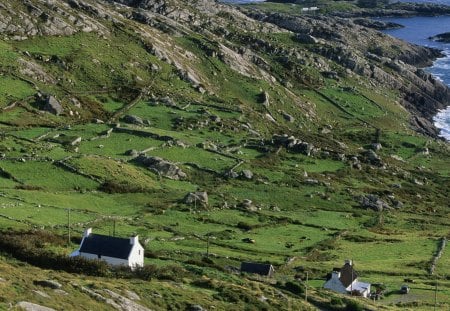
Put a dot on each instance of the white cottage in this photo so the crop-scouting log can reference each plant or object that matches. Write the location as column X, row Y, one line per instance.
column 345, row 281
column 115, row 251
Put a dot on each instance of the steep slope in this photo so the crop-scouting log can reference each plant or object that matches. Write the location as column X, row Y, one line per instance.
column 219, row 135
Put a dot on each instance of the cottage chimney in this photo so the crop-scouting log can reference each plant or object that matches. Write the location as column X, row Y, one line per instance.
column 349, row 262
column 134, row 240
column 87, row 232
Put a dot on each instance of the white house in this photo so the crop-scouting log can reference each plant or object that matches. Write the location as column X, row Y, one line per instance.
column 115, row 251
column 345, row 281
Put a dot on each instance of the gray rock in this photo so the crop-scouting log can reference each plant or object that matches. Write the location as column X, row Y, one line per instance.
column 288, row 117
column 28, row 306
column 48, row 283
column 132, row 119
column 247, row 174
column 195, row 308
column 376, row 146
column 198, row 197
column 231, row 174
column 53, row 106
column 373, row 202
column 132, row 152
column 373, row 158
column 161, row 167
column 265, row 99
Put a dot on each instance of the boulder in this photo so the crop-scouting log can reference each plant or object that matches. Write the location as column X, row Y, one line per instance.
column 52, row 105
column 132, row 119
column 200, row 197
column 231, row 174
column 247, row 174
column 373, row 202
column 161, row 167
column 265, row 99
column 373, row 158
column 306, row 39
column 28, row 306
column 132, row 153
column 48, row 283
column 376, row 146
column 288, row 117
column 195, row 308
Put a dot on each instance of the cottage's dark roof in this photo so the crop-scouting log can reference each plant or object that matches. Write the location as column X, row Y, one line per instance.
column 348, row 275
column 250, row 267
column 106, row 246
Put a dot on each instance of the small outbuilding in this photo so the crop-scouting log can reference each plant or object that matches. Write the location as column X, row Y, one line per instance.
column 258, row 268
column 113, row 250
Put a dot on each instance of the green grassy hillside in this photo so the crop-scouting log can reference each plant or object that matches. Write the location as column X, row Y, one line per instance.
column 213, row 110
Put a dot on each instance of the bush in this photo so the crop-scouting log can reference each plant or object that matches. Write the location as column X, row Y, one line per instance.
column 244, row 226
column 294, row 287
column 352, row 305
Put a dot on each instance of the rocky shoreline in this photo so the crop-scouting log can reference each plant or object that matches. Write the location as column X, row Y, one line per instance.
column 443, row 37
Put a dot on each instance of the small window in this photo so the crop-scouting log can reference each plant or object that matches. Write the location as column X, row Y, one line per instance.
column 139, row 252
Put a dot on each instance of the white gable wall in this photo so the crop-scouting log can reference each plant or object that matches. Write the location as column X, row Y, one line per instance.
column 136, row 258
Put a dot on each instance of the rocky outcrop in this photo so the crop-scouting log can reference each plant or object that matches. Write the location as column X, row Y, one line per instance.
column 52, row 105
column 198, row 197
column 28, row 306
column 443, row 37
column 161, row 167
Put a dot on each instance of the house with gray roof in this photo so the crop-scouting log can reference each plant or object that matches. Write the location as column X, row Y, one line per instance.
column 345, row 281
column 113, row 250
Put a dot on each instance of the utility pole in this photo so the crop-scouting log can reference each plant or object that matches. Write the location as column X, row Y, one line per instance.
column 435, row 295
column 68, row 223
column 207, row 247
column 306, row 287
column 114, row 227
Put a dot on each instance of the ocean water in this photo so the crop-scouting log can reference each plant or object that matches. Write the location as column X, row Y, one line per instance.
column 417, row 30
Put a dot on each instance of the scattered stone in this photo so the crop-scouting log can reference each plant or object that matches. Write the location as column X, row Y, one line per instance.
column 28, row 306
column 373, row 158
column 265, row 99
column 200, row 197
column 312, row 182
column 161, row 167
column 288, row 117
column 132, row 119
column 60, row 292
column 195, row 308
column 75, row 141
column 248, row 205
column 247, row 174
column 52, row 105
column 376, row 146
column 132, row 153
column 132, row 295
column 231, row 174
column 373, row 202
column 248, row 240
column 41, row 293
column 48, row 283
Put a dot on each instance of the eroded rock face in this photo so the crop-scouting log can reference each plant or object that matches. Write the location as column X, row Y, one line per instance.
column 161, row 167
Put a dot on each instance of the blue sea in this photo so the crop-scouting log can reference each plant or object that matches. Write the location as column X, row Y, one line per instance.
column 417, row 30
